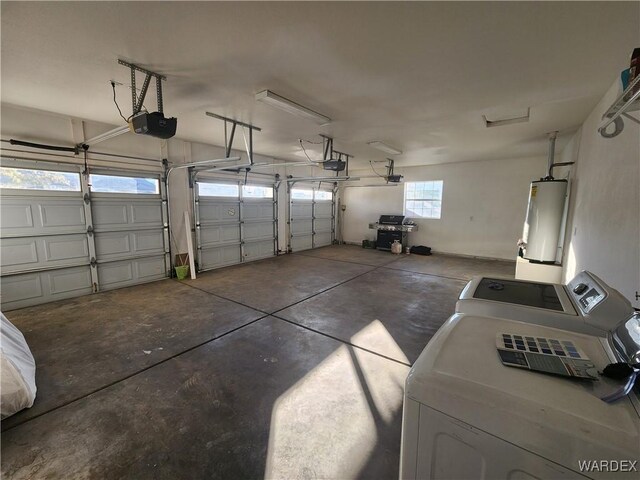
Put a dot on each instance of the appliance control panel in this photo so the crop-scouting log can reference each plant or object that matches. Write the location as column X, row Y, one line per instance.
column 586, row 292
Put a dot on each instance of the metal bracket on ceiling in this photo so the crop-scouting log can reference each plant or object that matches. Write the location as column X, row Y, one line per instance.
column 328, row 153
column 346, row 156
column 228, row 139
column 138, row 101
column 327, row 148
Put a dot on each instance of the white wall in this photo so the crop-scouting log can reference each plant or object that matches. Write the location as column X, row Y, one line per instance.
column 483, row 207
column 603, row 235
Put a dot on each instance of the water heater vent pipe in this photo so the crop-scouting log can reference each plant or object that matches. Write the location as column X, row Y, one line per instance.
column 552, row 153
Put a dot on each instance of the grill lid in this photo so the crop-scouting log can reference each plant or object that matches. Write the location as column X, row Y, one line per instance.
column 391, row 219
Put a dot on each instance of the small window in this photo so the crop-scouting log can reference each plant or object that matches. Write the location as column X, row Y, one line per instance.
column 218, row 190
column 27, row 179
column 323, row 195
column 423, row 199
column 255, row 191
column 117, row 184
column 300, row 194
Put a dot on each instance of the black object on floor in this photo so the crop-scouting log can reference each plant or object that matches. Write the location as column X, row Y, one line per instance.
column 420, row 250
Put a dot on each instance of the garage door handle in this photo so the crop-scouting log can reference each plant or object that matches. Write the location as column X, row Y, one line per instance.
column 90, row 230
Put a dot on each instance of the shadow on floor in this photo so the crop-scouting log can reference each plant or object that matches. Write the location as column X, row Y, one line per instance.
column 269, row 397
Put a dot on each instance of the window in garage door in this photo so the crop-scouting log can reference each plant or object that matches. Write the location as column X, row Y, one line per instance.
column 235, row 223
column 130, row 228
column 311, row 218
column 44, row 250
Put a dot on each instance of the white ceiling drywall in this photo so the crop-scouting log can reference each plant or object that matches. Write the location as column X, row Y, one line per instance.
column 418, row 76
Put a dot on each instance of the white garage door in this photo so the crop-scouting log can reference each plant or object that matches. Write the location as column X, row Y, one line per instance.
column 311, row 218
column 235, row 223
column 130, row 229
column 44, row 251
column 60, row 239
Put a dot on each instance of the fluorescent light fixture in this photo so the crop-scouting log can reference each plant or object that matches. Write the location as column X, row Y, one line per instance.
column 291, row 107
column 506, row 118
column 385, row 148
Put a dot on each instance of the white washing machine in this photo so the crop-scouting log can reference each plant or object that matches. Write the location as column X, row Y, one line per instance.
column 585, row 305
column 467, row 415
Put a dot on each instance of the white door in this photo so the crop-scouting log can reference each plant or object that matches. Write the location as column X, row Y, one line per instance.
column 235, row 223
column 44, row 250
column 311, row 218
column 130, row 229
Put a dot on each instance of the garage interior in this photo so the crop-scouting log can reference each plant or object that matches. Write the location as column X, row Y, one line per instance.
column 284, row 350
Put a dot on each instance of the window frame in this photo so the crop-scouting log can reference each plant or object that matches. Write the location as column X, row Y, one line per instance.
column 15, row 189
column 252, row 197
column 224, row 184
column 120, row 175
column 428, row 187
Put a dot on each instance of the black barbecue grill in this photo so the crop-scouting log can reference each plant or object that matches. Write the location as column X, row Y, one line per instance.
column 391, row 228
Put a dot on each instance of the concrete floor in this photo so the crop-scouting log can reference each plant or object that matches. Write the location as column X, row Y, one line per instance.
column 291, row 367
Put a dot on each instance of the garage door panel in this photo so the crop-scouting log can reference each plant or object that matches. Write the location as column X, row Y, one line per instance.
column 70, row 247
column 41, row 287
column 18, row 251
column 19, row 254
column 257, row 231
column 221, row 234
column 122, row 215
column 210, row 212
column 109, row 215
column 146, row 214
column 322, row 239
column 323, row 209
column 16, row 216
column 130, row 272
column 322, row 225
column 301, row 226
column 252, row 210
column 256, row 250
column 220, row 256
column 21, row 287
column 118, row 245
column 301, row 243
column 301, row 209
column 68, row 280
column 149, row 269
column 36, row 216
column 62, row 214
column 148, row 241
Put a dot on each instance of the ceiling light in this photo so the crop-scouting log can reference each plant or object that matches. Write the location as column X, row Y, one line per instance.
column 291, row 107
column 385, row 148
column 498, row 120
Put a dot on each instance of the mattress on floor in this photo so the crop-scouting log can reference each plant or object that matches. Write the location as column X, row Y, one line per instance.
column 18, row 368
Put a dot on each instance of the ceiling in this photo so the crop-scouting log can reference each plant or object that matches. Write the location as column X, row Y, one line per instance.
column 418, row 76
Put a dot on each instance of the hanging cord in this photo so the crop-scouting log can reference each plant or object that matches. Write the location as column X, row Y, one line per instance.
column 307, row 155
column 113, row 85
column 246, row 174
column 374, row 170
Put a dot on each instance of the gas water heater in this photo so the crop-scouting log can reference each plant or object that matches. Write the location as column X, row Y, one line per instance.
column 544, row 219
column 545, row 214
